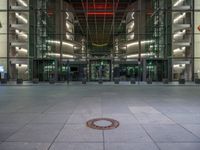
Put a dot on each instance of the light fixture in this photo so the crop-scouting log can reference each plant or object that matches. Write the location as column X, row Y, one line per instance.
column 179, row 17
column 142, row 42
column 67, row 25
column 147, row 42
column 20, row 33
column 58, row 55
column 133, row 56
column 67, row 44
column 53, row 42
column 21, row 49
column 58, row 42
column 178, row 34
column 179, row 66
column 132, row 44
column 132, row 35
column 178, row 50
column 100, row 13
column 21, row 65
column 67, row 15
column 21, row 18
column 132, row 15
column 67, row 56
column 178, row 2
column 23, row 3
column 132, row 25
column 68, row 36
column 142, row 55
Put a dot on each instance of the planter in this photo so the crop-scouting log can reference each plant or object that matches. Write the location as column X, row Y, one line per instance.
column 149, row 81
column 19, row 81
column 165, row 81
column 181, row 81
column 100, row 81
column 3, row 81
column 133, row 81
column 35, row 81
column 116, row 80
column 52, row 81
column 197, row 81
column 84, row 81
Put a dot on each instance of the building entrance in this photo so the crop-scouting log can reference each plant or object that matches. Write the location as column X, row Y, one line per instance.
column 156, row 69
column 72, row 71
column 44, row 69
column 100, row 69
column 127, row 70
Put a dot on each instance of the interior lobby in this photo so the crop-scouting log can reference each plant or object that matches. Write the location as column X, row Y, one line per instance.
column 99, row 75
column 94, row 40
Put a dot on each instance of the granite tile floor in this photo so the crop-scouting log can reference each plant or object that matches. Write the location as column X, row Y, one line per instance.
column 54, row 117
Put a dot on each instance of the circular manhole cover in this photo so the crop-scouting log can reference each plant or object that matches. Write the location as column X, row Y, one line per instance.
column 102, row 124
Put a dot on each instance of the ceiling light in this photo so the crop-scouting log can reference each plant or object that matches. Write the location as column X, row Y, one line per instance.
column 67, row 25
column 178, row 2
column 58, row 55
column 178, row 50
column 67, row 44
column 132, row 36
column 179, row 65
column 132, row 15
column 180, row 33
column 67, row 56
column 21, row 49
column 68, row 36
column 21, row 18
column 21, row 65
column 179, row 17
column 142, row 42
column 23, row 3
column 58, row 42
column 67, row 15
column 20, row 33
column 53, row 42
column 132, row 25
column 133, row 56
column 147, row 42
column 132, row 44
column 100, row 13
column 142, row 55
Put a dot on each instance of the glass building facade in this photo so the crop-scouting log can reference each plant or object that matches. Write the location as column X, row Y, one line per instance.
column 103, row 39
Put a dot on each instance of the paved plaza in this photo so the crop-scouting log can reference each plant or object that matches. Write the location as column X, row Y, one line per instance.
column 54, row 117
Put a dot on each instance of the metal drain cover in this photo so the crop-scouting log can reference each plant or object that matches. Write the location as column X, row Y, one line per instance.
column 102, row 124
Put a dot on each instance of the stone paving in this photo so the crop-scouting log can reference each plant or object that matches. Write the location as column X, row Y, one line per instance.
column 54, row 117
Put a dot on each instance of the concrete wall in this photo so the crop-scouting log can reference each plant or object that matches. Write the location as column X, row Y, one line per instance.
column 3, row 34
column 197, row 38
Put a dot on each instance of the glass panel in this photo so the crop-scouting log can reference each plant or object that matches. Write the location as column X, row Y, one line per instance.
column 100, row 69
column 3, row 38
column 18, row 39
column 127, row 33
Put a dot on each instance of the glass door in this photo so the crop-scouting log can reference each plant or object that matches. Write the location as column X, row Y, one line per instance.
column 156, row 70
column 128, row 71
column 100, row 69
column 44, row 70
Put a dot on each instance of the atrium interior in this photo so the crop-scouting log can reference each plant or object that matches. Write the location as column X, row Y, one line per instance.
column 93, row 40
